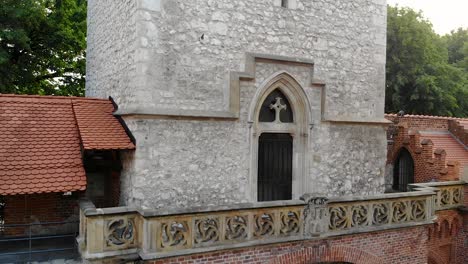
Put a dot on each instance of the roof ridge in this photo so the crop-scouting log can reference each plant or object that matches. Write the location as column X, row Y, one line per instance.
column 430, row 117
column 56, row 97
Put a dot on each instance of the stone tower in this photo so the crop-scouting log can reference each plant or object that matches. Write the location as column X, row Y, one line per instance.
column 195, row 81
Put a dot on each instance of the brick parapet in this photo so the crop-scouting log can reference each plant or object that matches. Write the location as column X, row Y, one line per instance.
column 459, row 131
column 429, row 164
column 420, row 122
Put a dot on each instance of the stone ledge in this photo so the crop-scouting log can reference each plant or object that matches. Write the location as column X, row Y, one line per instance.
column 382, row 196
column 438, row 184
column 149, row 112
column 222, row 208
column 369, row 121
column 232, row 111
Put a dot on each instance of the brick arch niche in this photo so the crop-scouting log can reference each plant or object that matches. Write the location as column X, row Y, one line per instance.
column 443, row 238
column 322, row 255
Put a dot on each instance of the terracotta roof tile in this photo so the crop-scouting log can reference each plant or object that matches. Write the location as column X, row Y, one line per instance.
column 429, row 117
column 99, row 129
column 40, row 143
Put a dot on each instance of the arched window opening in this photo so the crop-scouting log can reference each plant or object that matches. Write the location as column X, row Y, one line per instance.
column 276, row 108
column 403, row 173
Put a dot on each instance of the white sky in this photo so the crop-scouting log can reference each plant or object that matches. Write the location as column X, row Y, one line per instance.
column 445, row 15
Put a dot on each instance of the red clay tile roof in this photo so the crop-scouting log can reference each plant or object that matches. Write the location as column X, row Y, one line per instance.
column 99, row 129
column 40, row 145
column 428, row 117
column 455, row 150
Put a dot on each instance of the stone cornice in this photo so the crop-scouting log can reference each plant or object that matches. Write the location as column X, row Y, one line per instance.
column 233, row 96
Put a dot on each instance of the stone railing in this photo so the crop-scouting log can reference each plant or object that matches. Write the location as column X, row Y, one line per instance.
column 380, row 213
column 148, row 234
column 449, row 195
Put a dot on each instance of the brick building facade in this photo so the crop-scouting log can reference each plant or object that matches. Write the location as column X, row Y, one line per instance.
column 435, row 160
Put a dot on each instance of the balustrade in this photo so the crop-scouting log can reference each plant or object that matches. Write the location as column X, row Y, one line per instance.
column 151, row 234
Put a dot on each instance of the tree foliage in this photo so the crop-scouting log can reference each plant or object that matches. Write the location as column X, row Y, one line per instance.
column 425, row 72
column 42, row 46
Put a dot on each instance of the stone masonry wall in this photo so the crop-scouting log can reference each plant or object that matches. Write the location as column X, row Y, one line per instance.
column 184, row 49
column 189, row 162
column 176, row 55
column 110, row 55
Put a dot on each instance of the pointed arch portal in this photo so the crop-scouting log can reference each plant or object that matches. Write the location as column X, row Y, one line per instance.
column 279, row 115
column 403, row 172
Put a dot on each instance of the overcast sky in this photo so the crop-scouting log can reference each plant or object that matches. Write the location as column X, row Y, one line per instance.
column 445, row 15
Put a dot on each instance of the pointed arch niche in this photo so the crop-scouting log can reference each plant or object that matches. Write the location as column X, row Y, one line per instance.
column 279, row 111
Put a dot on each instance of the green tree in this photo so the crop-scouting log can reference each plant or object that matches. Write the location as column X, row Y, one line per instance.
column 42, row 46
column 419, row 78
column 457, row 44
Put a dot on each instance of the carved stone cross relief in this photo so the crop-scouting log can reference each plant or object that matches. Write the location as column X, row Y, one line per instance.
column 278, row 107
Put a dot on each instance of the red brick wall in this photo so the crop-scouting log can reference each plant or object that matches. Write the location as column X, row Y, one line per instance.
column 446, row 238
column 408, row 245
column 421, row 122
column 53, row 207
column 458, row 130
column 462, row 240
column 429, row 163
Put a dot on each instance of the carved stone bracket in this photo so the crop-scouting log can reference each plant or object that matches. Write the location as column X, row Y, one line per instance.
column 315, row 215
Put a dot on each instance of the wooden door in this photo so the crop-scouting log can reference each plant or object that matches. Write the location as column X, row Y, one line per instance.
column 275, row 167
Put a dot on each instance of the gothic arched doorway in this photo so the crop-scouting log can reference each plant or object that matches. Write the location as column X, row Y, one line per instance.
column 403, row 172
column 279, row 116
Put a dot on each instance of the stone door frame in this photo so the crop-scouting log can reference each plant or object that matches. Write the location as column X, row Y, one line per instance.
column 299, row 130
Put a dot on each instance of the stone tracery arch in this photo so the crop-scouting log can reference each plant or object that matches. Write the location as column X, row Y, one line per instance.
column 299, row 129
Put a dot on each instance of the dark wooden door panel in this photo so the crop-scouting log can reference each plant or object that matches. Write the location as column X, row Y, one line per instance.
column 275, row 167
column 403, row 171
